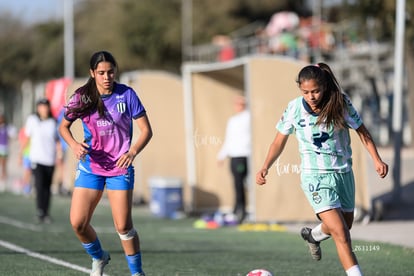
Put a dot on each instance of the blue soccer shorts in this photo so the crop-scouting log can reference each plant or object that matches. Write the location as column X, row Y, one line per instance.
column 97, row 182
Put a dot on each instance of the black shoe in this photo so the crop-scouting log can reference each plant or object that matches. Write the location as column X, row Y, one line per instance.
column 314, row 246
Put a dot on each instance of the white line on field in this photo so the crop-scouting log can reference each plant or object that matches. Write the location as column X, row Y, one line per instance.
column 46, row 258
column 38, row 228
column 35, row 228
column 20, row 224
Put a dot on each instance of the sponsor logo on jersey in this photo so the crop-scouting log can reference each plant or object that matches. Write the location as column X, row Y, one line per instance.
column 121, row 107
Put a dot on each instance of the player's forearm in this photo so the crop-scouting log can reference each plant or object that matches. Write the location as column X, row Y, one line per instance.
column 275, row 150
column 373, row 152
column 67, row 136
column 369, row 143
column 143, row 139
column 273, row 153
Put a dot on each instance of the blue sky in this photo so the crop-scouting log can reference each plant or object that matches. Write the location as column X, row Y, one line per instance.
column 40, row 10
column 30, row 11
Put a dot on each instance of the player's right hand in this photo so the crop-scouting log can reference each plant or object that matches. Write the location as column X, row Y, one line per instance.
column 261, row 176
column 80, row 150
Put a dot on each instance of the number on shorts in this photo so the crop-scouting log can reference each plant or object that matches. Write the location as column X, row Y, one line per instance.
column 313, row 188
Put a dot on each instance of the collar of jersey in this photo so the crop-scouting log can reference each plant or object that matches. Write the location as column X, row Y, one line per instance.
column 308, row 109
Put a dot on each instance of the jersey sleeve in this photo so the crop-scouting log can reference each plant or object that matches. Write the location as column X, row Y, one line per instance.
column 352, row 116
column 137, row 109
column 285, row 124
column 74, row 101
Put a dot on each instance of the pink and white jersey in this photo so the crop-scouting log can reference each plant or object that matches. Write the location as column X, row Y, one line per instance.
column 109, row 137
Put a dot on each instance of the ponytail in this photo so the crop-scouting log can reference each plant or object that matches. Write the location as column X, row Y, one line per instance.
column 333, row 104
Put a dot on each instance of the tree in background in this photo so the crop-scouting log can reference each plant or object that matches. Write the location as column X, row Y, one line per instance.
column 146, row 34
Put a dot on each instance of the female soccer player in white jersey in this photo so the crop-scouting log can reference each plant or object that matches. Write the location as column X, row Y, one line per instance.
column 321, row 119
column 107, row 110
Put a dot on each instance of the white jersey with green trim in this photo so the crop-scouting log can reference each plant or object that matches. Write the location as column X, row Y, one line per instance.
column 322, row 149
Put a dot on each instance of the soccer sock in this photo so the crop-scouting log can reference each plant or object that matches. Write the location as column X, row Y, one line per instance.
column 318, row 235
column 94, row 249
column 134, row 263
column 354, row 271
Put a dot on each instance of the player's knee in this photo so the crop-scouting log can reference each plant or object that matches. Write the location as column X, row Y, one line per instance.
column 341, row 234
column 127, row 235
column 79, row 227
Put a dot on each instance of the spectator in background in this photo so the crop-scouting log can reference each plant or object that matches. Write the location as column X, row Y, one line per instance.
column 6, row 132
column 226, row 49
column 237, row 146
column 25, row 181
column 41, row 129
column 288, row 43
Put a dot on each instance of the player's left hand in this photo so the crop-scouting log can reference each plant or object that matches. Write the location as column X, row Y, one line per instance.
column 382, row 169
column 125, row 160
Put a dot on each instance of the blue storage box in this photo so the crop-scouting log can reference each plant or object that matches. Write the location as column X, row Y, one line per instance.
column 166, row 196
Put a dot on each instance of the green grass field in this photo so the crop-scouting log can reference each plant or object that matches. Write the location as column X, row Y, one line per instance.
column 171, row 247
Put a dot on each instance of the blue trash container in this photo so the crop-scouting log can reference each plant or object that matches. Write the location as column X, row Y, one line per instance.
column 166, row 196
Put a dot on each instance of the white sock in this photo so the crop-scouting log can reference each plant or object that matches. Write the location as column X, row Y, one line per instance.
column 354, row 271
column 318, row 235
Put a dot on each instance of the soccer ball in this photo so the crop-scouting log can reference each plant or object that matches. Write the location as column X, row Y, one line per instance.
column 259, row 272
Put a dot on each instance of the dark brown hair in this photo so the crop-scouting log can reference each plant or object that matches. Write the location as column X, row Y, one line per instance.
column 44, row 101
column 333, row 104
column 89, row 97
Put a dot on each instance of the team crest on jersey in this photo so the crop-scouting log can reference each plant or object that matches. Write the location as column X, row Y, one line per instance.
column 121, row 107
column 316, row 197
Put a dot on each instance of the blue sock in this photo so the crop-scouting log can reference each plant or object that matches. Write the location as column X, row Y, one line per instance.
column 94, row 249
column 134, row 263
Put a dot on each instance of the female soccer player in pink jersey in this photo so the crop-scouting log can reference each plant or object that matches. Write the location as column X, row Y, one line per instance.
column 107, row 110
